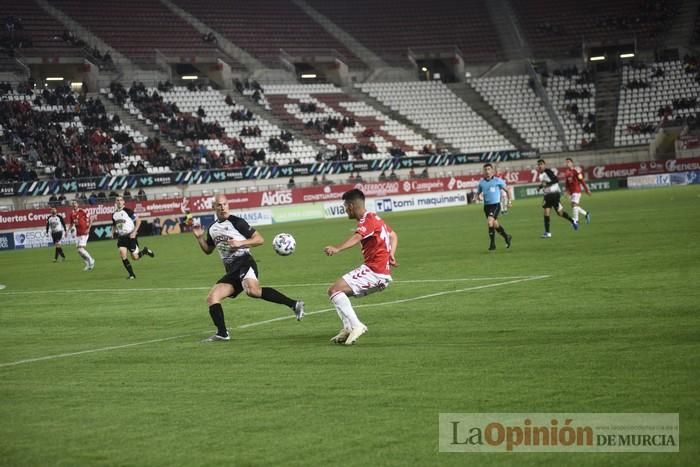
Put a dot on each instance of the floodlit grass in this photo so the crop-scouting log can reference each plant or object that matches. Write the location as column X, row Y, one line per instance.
column 614, row 327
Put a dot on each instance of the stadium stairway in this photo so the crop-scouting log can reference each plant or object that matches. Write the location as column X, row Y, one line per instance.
column 266, row 114
column 135, row 123
column 469, row 95
column 240, row 58
column 681, row 34
column 374, row 103
column 607, row 85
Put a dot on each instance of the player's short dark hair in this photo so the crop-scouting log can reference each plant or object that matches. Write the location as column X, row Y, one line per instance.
column 569, row 159
column 541, row 160
column 488, row 164
column 353, row 196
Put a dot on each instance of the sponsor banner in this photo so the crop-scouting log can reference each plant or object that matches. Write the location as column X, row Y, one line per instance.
column 332, row 210
column 558, row 432
column 101, row 232
column 32, row 239
column 685, row 178
column 258, row 217
column 643, row 168
column 649, row 181
column 7, row 241
column 411, row 202
column 529, row 191
column 107, row 182
column 298, row 212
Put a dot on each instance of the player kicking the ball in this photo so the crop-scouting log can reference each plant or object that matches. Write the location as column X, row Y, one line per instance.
column 573, row 181
column 233, row 237
column 379, row 244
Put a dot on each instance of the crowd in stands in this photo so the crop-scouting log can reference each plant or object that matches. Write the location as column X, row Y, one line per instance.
column 333, row 124
column 637, row 84
column 94, row 198
column 14, row 36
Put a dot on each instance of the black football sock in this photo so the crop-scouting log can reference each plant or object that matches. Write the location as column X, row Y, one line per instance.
column 60, row 252
column 217, row 315
column 127, row 265
column 502, row 231
column 55, row 254
column 546, row 223
column 272, row 295
column 566, row 216
column 492, row 234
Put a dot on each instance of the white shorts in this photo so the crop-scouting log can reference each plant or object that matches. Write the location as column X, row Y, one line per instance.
column 576, row 198
column 81, row 240
column 364, row 281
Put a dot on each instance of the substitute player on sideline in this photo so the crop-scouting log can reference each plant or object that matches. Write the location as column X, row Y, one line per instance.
column 573, row 181
column 55, row 224
column 80, row 224
column 491, row 188
column 233, row 237
column 126, row 226
column 379, row 245
column 549, row 184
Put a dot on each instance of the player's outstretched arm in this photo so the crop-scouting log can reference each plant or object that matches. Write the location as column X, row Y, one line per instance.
column 198, row 233
column 353, row 240
column 256, row 240
column 394, row 245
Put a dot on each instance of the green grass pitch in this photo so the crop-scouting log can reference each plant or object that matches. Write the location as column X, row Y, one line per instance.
column 96, row 370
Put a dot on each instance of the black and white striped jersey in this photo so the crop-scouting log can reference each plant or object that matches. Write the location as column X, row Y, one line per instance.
column 232, row 228
column 55, row 224
column 549, row 182
column 124, row 221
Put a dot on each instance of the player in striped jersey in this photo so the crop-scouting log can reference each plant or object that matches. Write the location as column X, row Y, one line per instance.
column 55, row 224
column 549, row 184
column 125, row 227
column 233, row 237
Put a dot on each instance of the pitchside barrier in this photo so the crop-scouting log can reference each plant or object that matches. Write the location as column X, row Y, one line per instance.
column 27, row 228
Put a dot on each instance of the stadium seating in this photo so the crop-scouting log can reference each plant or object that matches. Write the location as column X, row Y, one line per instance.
column 137, row 29
column 263, row 27
column 517, row 103
column 434, row 107
column 384, row 132
column 40, row 33
column 642, row 109
column 558, row 27
column 217, row 111
column 390, row 30
column 573, row 100
column 90, row 142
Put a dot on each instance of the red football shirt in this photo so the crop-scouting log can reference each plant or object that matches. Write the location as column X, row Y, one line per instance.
column 573, row 180
column 81, row 220
column 376, row 243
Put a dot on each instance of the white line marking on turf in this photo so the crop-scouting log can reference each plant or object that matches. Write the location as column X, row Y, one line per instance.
column 174, row 289
column 267, row 321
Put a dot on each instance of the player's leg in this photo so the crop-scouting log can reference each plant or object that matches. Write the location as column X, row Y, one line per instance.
column 499, row 228
column 140, row 253
column 492, row 232
column 216, row 295
column 338, row 294
column 82, row 251
column 576, row 207
column 562, row 213
column 252, row 288
column 122, row 245
column 547, row 219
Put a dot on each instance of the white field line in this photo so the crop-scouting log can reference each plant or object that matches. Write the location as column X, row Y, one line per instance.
column 267, row 321
column 175, row 289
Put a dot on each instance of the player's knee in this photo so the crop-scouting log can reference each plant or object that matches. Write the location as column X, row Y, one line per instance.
column 254, row 291
column 212, row 299
column 332, row 290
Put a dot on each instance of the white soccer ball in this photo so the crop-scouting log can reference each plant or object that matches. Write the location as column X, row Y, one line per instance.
column 284, row 244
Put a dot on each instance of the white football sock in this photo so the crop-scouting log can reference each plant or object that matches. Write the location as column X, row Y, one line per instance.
column 344, row 309
column 575, row 213
column 85, row 255
column 582, row 211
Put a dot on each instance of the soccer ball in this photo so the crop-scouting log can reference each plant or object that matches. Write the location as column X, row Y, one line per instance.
column 284, row 244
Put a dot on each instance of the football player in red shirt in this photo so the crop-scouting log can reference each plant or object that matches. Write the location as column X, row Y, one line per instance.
column 379, row 244
column 80, row 225
column 573, row 179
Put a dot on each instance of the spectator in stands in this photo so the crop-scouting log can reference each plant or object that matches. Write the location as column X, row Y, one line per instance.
column 126, row 195
column 424, row 173
column 411, row 174
column 325, row 181
column 229, row 101
column 314, row 182
column 291, row 183
column 62, row 200
column 53, row 201
column 141, row 195
column 382, row 176
column 92, row 200
column 156, row 226
column 113, row 196
column 393, row 176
